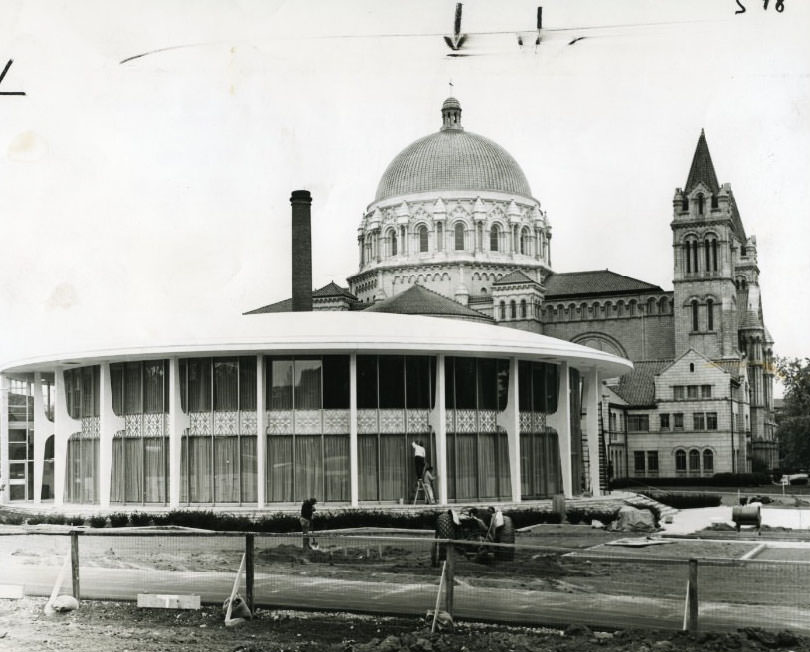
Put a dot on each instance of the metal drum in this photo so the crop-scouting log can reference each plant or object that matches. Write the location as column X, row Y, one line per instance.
column 746, row 515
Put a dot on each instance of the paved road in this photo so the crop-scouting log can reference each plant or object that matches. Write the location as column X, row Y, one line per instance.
column 491, row 604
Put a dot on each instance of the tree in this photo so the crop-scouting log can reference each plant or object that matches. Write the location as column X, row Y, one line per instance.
column 793, row 424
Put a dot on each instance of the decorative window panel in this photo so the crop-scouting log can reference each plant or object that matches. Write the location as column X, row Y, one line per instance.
column 336, row 422
column 91, row 426
column 418, row 421
column 200, row 423
column 487, row 421
column 307, row 422
column 226, row 423
column 279, row 422
column 248, row 422
column 154, row 425
column 465, row 421
column 539, row 422
column 392, row 421
column 367, row 421
column 132, row 424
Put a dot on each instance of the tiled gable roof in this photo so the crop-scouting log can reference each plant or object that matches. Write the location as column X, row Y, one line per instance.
column 638, row 386
column 418, row 300
column 731, row 367
column 329, row 290
column 736, row 220
column 332, row 289
column 592, row 283
column 513, row 278
column 285, row 305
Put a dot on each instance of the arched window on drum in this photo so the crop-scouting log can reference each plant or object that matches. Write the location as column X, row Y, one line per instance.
column 423, row 239
column 459, row 236
column 495, row 238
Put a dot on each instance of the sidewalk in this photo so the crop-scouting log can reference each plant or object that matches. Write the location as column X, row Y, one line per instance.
column 689, row 521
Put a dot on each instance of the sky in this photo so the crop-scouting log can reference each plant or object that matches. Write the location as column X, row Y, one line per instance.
column 148, row 197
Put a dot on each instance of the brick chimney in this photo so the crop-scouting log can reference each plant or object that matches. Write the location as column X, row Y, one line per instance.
column 301, row 201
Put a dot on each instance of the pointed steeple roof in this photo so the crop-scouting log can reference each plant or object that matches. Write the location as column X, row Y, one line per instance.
column 702, row 170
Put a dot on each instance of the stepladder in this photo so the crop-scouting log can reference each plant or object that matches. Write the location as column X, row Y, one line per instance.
column 422, row 493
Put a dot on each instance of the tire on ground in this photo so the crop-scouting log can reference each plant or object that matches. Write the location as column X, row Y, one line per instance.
column 506, row 534
column 444, row 530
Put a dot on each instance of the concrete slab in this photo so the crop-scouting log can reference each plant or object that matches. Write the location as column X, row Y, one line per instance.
column 164, row 601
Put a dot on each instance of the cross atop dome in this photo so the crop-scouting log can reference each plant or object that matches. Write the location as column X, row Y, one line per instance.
column 451, row 114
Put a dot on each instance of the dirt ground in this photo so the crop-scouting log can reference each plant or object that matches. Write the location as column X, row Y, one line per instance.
column 124, row 628
column 564, row 558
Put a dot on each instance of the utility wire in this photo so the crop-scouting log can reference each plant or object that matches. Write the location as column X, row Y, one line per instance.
column 435, row 34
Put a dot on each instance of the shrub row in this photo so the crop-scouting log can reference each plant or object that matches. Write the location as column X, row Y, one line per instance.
column 684, row 500
column 275, row 522
column 349, row 518
column 717, row 480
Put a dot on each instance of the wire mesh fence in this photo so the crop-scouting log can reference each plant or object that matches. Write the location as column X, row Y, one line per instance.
column 640, row 583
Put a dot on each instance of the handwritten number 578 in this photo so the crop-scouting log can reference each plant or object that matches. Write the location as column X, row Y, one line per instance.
column 779, row 6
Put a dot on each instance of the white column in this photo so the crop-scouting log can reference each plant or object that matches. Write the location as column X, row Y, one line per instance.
column 509, row 420
column 4, row 438
column 354, row 481
column 561, row 422
column 64, row 426
column 43, row 428
column 261, row 433
column 109, row 423
column 590, row 401
column 438, row 421
column 178, row 422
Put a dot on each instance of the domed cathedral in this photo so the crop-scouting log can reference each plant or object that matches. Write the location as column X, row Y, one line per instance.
column 454, row 231
column 454, row 213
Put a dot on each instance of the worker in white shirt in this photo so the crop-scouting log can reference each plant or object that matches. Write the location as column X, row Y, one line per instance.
column 419, row 457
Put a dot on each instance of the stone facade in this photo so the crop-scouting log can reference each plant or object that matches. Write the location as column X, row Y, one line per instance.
column 454, row 213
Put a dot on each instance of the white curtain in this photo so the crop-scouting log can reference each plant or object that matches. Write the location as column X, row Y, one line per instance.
column 226, row 469
column 336, row 467
column 81, row 480
column 367, row 466
column 278, row 476
column 308, row 467
column 249, row 479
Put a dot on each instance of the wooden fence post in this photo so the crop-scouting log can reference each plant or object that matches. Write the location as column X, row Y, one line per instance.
column 74, row 563
column 249, row 570
column 692, row 597
column 451, row 572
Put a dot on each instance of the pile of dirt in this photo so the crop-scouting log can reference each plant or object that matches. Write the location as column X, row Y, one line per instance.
column 576, row 638
column 122, row 626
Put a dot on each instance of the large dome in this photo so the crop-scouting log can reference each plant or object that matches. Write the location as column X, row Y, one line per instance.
column 452, row 159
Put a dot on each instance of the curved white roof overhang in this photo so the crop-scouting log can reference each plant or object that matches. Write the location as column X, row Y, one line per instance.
column 334, row 331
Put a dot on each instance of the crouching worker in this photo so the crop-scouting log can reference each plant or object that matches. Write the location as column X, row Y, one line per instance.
column 427, row 481
column 307, row 510
column 495, row 523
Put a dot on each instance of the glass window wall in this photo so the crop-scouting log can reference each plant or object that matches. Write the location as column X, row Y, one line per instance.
column 218, row 450
column 307, row 400
column 83, row 402
column 394, row 397
column 140, row 463
column 476, row 389
column 540, row 474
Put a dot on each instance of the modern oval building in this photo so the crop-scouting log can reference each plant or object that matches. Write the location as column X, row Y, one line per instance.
column 323, row 395
column 302, row 404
